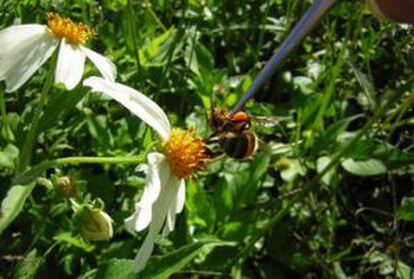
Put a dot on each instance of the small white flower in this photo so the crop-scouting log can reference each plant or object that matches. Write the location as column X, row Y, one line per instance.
column 164, row 193
column 24, row 49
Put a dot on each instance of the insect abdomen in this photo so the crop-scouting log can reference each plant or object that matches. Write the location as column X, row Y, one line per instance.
column 239, row 145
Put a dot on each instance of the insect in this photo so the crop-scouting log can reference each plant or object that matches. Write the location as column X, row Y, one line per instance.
column 236, row 139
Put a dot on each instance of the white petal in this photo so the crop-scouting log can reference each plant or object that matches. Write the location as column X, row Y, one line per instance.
column 145, row 251
column 136, row 102
column 143, row 168
column 160, row 211
column 180, row 197
column 14, row 36
column 18, row 65
column 70, row 64
column 166, row 230
column 16, row 42
column 157, row 168
column 170, row 221
column 104, row 65
column 12, row 57
column 140, row 219
column 176, row 206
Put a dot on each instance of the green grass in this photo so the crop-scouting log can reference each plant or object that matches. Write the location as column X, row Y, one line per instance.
column 328, row 195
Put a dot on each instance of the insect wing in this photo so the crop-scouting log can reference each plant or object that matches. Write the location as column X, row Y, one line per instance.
column 269, row 121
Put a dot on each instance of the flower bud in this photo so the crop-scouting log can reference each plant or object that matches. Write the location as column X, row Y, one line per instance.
column 66, row 186
column 93, row 223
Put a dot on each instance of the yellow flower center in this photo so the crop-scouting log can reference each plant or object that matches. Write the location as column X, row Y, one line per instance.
column 75, row 33
column 185, row 153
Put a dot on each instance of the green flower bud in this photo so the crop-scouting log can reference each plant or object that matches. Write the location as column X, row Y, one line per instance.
column 66, row 186
column 93, row 223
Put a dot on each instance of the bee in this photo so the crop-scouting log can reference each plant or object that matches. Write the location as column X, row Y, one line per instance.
column 236, row 139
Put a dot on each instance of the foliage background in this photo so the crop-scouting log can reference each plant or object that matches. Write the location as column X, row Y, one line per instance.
column 356, row 222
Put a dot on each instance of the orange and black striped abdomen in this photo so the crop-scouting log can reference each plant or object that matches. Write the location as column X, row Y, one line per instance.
column 239, row 145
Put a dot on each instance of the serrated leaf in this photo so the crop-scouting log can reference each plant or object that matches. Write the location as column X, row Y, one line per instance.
column 66, row 237
column 364, row 168
column 13, row 203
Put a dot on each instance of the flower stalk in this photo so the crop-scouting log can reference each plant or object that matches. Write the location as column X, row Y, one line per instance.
column 29, row 175
column 31, row 136
column 99, row 160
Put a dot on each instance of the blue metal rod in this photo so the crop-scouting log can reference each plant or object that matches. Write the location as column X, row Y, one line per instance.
column 301, row 30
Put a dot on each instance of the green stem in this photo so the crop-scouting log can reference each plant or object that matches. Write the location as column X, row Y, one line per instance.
column 5, row 123
column 132, row 25
column 31, row 174
column 31, row 136
column 154, row 16
column 99, row 160
column 311, row 185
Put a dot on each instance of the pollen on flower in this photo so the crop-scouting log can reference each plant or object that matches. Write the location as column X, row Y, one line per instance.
column 185, row 153
column 75, row 33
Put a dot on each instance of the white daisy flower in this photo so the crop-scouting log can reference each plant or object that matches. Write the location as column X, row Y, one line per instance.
column 24, row 49
column 183, row 154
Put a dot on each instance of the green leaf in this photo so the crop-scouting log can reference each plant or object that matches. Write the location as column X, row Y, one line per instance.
column 366, row 85
column 13, row 204
column 295, row 168
column 198, row 57
column 406, row 210
column 8, row 156
column 77, row 242
column 258, row 169
column 158, row 267
column 164, row 266
column 364, row 149
column 374, row 149
column 117, row 268
column 364, row 168
column 59, row 105
column 99, row 131
column 321, row 163
column 201, row 211
column 155, row 53
column 29, row 266
column 327, row 140
column 31, row 174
